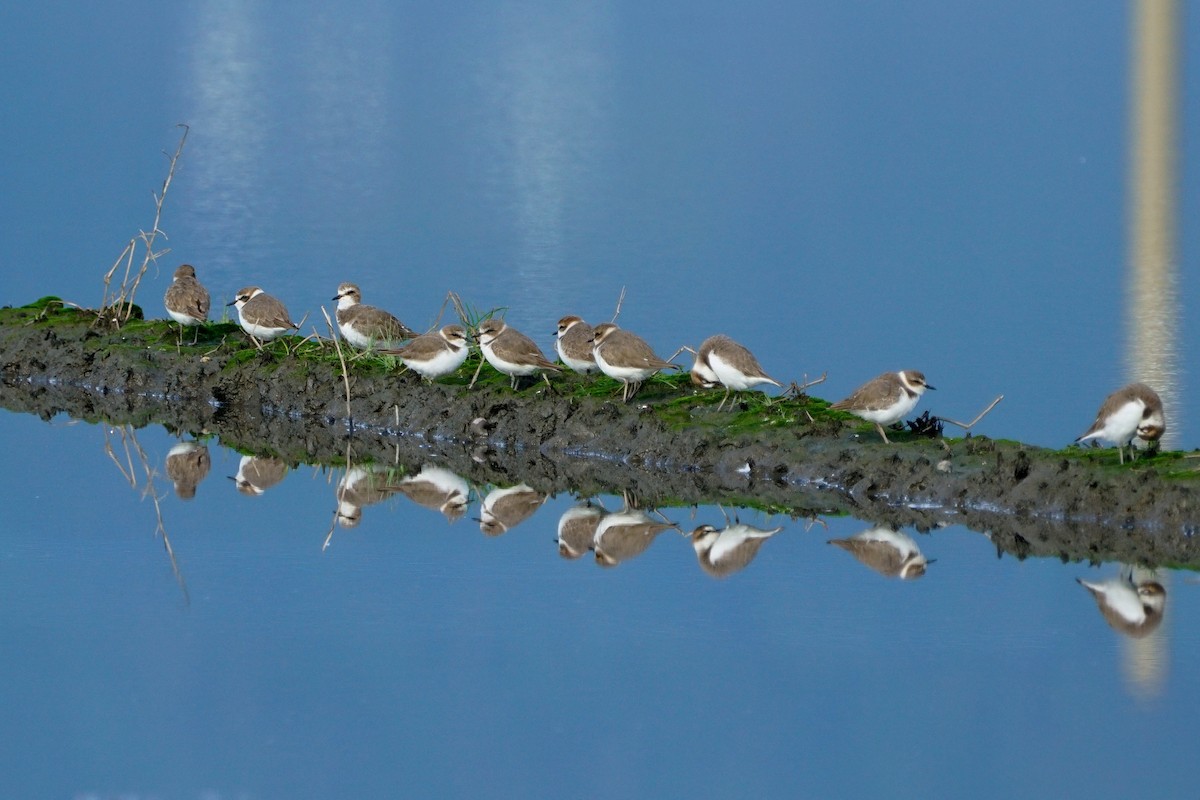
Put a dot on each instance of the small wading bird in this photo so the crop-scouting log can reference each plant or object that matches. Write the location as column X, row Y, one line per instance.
column 723, row 552
column 359, row 487
column 256, row 474
column 439, row 489
column 503, row 509
column 1132, row 412
column 187, row 301
column 1134, row 608
column 625, row 534
column 577, row 529
column 261, row 316
column 573, row 341
column 887, row 551
column 886, row 399
column 367, row 326
column 724, row 361
column 625, row 357
column 512, row 352
column 188, row 463
column 432, row 355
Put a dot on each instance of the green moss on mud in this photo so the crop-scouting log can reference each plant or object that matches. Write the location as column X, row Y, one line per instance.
column 670, row 397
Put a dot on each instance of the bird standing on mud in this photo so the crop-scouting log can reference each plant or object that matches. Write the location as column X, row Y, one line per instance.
column 886, row 399
column 1132, row 412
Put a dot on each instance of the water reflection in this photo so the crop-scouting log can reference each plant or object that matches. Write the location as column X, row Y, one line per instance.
column 548, row 86
column 1131, row 604
column 503, row 509
column 1134, row 603
column 257, row 474
column 439, row 489
column 362, row 486
column 187, row 465
column 134, row 465
column 1153, row 305
column 626, row 534
column 577, row 529
column 888, row 551
column 731, row 549
column 228, row 62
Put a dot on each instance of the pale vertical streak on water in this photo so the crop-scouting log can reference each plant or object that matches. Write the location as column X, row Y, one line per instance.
column 345, row 111
column 227, row 87
column 1144, row 661
column 1153, row 261
column 550, row 86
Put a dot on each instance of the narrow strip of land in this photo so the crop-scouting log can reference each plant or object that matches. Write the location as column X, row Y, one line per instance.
column 669, row 446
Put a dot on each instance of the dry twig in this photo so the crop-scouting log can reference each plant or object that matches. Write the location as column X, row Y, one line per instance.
column 341, row 358
column 117, row 307
column 981, row 415
column 128, row 436
column 620, row 302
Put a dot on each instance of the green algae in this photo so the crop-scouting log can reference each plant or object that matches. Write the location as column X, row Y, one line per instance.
column 670, row 397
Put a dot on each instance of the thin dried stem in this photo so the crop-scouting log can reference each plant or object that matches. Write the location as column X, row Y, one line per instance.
column 338, row 498
column 815, row 520
column 797, row 389
column 131, row 446
column 981, row 415
column 108, row 449
column 675, row 355
column 341, row 358
column 117, row 308
column 475, row 377
column 620, row 302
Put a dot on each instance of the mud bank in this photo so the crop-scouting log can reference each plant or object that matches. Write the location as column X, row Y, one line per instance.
column 670, row 446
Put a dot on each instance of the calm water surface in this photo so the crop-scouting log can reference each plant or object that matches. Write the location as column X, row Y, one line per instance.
column 843, row 190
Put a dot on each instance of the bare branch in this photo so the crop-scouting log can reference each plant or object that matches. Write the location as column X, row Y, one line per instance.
column 620, row 302
column 342, row 358
column 117, row 308
column 797, row 389
column 981, row 415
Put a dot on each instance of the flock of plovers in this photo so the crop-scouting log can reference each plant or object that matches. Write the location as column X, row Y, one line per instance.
column 1130, row 415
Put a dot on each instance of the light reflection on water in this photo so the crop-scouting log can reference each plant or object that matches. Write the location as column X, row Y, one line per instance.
column 1152, row 353
column 229, row 67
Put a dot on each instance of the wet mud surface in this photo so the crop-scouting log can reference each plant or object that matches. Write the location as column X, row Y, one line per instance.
column 670, row 446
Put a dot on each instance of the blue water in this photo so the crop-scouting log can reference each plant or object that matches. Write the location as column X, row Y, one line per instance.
column 843, row 189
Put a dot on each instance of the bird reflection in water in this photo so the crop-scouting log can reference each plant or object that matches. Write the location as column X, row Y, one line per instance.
column 626, row 534
column 439, row 489
column 887, row 551
column 256, row 474
column 724, row 552
column 1131, row 604
column 188, row 464
column 504, row 509
column 362, row 486
column 577, row 529
column 1134, row 603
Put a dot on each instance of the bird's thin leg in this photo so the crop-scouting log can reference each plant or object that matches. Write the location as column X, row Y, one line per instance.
column 879, row 428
